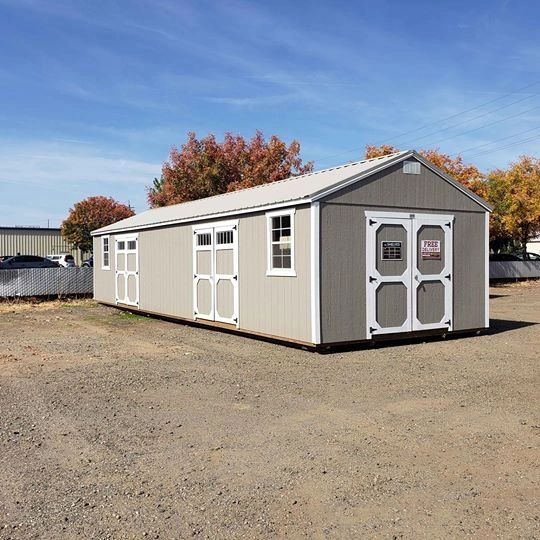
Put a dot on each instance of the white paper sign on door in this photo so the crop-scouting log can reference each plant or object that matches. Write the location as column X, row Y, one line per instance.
column 430, row 249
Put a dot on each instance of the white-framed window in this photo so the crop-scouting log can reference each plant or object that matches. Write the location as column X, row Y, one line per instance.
column 105, row 253
column 280, row 240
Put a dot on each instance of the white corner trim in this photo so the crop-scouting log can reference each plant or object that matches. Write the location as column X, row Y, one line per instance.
column 315, row 212
column 486, row 272
column 102, row 243
column 286, row 272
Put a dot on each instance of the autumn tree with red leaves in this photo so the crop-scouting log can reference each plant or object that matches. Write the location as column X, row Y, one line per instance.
column 90, row 214
column 205, row 167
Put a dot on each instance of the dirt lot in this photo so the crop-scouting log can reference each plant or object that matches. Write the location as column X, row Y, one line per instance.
column 119, row 426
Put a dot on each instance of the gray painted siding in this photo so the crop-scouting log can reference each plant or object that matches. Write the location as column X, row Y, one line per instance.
column 104, row 288
column 343, row 245
column 392, row 188
column 274, row 305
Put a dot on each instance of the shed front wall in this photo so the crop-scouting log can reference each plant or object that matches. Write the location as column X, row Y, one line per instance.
column 104, row 288
column 343, row 247
column 273, row 305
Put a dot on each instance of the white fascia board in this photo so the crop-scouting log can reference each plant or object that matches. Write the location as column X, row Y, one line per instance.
column 208, row 217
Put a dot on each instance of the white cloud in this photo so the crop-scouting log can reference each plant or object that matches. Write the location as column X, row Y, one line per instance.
column 43, row 178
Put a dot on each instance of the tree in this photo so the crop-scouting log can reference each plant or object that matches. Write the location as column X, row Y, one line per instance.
column 206, row 167
column 90, row 214
column 515, row 195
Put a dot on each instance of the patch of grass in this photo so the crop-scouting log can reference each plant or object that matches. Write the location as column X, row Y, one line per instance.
column 129, row 316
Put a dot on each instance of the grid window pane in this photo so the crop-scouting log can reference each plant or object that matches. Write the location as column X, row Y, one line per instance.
column 281, row 240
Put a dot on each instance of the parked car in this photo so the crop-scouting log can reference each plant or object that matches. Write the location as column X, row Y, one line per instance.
column 89, row 263
column 27, row 261
column 4, row 257
column 527, row 256
column 505, row 257
column 64, row 259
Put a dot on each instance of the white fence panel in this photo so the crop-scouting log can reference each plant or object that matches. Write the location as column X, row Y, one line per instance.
column 514, row 269
column 45, row 281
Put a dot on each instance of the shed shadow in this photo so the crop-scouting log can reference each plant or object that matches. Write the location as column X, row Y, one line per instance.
column 498, row 326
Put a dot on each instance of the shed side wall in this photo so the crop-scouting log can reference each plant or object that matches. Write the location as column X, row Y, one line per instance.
column 273, row 305
column 343, row 246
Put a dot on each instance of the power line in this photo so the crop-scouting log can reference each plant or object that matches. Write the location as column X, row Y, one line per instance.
column 496, row 140
column 516, row 143
column 345, row 152
column 487, row 125
column 471, row 119
column 460, row 113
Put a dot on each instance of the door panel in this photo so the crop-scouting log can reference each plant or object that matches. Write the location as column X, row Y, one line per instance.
column 430, row 302
column 391, row 302
column 432, row 296
column 409, row 272
column 389, row 275
column 203, row 270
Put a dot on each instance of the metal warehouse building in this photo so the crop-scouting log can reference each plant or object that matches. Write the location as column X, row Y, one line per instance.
column 390, row 245
column 38, row 241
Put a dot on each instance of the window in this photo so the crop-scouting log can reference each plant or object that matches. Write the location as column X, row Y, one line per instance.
column 204, row 239
column 224, row 237
column 280, row 243
column 105, row 261
column 121, row 245
column 132, row 244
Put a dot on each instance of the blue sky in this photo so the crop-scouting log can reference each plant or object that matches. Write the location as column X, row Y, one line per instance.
column 94, row 94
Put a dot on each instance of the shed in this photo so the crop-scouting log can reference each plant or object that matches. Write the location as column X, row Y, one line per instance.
column 384, row 246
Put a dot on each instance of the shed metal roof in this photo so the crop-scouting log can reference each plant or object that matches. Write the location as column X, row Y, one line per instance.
column 296, row 189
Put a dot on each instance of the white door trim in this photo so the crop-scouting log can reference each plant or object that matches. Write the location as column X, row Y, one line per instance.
column 315, row 215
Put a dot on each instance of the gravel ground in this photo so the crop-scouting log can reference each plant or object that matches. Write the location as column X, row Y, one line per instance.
column 119, row 426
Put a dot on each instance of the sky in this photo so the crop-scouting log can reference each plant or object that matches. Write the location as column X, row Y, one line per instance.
column 93, row 95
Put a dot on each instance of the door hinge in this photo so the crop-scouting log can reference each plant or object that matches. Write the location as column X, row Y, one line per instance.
column 235, row 227
column 372, row 279
column 448, row 322
column 235, row 320
column 372, row 222
column 235, row 277
column 448, row 224
column 371, row 329
column 448, row 276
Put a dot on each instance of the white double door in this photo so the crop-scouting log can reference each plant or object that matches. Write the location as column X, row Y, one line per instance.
column 215, row 272
column 127, row 269
column 409, row 272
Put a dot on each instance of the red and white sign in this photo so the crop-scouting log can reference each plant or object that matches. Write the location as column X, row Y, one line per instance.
column 430, row 249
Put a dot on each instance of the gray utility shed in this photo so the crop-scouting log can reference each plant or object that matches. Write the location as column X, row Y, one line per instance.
column 390, row 245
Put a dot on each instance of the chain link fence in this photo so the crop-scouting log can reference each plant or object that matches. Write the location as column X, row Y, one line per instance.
column 46, row 282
